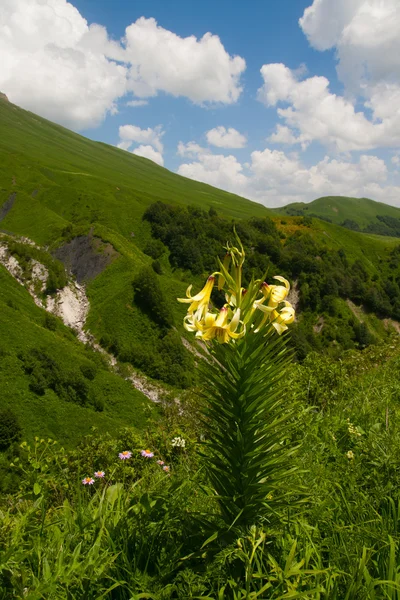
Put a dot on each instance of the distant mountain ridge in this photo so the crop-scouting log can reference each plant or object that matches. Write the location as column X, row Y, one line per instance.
column 358, row 214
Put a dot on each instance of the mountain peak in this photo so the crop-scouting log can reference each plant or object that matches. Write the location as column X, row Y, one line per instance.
column 3, row 97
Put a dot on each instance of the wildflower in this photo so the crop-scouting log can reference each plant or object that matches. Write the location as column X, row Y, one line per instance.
column 160, row 462
column 350, row 455
column 217, row 326
column 88, row 481
column 165, row 468
column 125, row 454
column 269, row 496
column 199, row 302
column 352, row 429
column 99, row 474
column 147, row 453
column 280, row 320
column 277, row 293
column 178, row 442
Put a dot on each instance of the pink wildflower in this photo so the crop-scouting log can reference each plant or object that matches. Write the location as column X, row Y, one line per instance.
column 147, row 453
column 99, row 474
column 160, row 462
column 88, row 481
column 125, row 454
column 166, row 468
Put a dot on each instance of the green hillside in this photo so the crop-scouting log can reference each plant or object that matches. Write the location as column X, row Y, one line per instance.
column 56, row 386
column 351, row 212
column 52, row 176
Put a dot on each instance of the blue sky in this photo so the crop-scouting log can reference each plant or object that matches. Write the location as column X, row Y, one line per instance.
column 278, row 101
column 261, row 32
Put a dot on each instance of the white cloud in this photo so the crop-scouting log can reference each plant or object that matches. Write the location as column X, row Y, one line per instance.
column 321, row 115
column 51, row 63
column 55, row 64
column 284, row 135
column 149, row 152
column 131, row 133
column 365, row 34
column 191, row 149
column 161, row 61
column 137, row 103
column 224, row 172
column 226, row 138
column 395, row 160
column 275, row 178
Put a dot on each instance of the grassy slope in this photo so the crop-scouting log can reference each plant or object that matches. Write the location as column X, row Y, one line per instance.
column 22, row 328
column 368, row 248
column 76, row 178
column 338, row 208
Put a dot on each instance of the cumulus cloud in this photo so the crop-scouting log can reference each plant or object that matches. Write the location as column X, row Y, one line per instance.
column 199, row 69
column 321, row 115
column 284, row 135
column 55, row 64
column 132, row 133
column 218, row 170
column 191, row 149
column 365, row 34
column 273, row 177
column 51, row 63
column 149, row 152
column 226, row 138
column 395, row 160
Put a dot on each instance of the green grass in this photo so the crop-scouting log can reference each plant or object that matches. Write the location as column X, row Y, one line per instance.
column 339, row 208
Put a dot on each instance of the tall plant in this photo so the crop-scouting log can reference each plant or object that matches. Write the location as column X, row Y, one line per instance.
column 248, row 450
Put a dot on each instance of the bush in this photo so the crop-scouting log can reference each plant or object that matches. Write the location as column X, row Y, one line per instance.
column 154, row 248
column 150, row 297
column 50, row 322
column 10, row 429
column 88, row 371
column 46, row 373
column 156, row 266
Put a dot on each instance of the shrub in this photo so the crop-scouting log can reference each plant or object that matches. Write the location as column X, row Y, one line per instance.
column 154, row 248
column 10, row 429
column 50, row 322
column 150, row 297
column 156, row 266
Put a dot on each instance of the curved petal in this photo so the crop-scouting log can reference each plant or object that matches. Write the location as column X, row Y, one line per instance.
column 282, row 280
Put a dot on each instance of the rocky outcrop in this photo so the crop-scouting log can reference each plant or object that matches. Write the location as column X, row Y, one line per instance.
column 86, row 256
column 72, row 306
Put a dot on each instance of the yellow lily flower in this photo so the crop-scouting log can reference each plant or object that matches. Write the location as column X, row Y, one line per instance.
column 276, row 293
column 217, row 326
column 200, row 301
column 281, row 320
